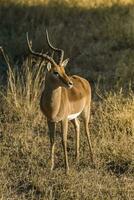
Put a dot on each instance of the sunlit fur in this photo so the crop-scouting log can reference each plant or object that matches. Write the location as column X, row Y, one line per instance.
column 63, row 96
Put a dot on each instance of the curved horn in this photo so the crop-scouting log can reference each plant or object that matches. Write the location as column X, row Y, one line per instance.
column 41, row 55
column 61, row 52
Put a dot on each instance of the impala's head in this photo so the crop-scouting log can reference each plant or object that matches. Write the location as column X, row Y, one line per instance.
column 58, row 76
column 56, row 70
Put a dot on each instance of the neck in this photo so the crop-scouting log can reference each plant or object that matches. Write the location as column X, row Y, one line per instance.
column 50, row 86
column 50, row 99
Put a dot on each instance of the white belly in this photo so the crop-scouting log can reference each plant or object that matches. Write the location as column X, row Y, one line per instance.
column 73, row 116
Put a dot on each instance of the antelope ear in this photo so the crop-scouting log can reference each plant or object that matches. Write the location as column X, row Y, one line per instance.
column 48, row 66
column 64, row 63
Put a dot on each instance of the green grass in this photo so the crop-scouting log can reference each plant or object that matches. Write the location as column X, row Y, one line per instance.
column 98, row 37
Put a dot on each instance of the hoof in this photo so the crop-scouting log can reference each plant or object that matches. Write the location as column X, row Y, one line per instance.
column 77, row 160
column 67, row 171
column 52, row 167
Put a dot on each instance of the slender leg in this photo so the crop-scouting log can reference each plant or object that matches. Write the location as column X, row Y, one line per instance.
column 52, row 130
column 77, row 130
column 86, row 122
column 64, row 126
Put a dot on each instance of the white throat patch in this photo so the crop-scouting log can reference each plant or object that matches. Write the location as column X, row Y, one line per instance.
column 73, row 116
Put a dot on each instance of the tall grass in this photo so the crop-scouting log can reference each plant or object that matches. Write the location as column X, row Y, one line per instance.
column 114, row 121
column 97, row 36
column 24, row 86
column 24, row 145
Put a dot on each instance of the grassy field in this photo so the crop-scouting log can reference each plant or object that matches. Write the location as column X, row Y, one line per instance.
column 98, row 37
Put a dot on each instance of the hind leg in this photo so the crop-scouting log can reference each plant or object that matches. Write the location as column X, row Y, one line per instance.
column 76, row 124
column 86, row 116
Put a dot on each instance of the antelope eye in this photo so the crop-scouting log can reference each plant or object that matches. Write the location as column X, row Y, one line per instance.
column 56, row 73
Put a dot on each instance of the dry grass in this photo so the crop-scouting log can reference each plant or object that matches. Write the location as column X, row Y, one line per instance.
column 24, row 146
column 98, row 36
column 25, row 97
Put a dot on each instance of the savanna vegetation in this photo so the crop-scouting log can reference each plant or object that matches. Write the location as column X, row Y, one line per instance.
column 98, row 37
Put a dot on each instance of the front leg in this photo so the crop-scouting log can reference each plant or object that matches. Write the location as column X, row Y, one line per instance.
column 64, row 126
column 52, row 131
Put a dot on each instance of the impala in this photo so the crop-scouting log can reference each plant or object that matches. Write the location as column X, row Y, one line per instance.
column 64, row 98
